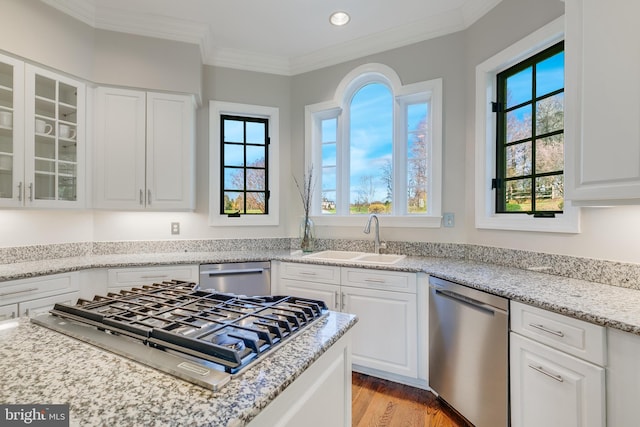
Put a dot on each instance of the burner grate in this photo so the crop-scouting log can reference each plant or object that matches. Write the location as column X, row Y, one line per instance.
column 221, row 328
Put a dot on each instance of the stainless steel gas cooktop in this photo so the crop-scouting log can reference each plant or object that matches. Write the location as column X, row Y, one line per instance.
column 201, row 336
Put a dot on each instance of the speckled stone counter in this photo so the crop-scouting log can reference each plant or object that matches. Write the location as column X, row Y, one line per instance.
column 40, row 366
column 614, row 306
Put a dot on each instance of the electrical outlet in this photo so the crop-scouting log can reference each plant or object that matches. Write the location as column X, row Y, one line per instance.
column 175, row 228
column 448, row 219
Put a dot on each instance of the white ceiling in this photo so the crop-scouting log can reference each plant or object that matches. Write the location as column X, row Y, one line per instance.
column 280, row 36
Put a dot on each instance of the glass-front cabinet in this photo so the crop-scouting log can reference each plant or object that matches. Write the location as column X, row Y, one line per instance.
column 54, row 135
column 42, row 143
column 11, row 130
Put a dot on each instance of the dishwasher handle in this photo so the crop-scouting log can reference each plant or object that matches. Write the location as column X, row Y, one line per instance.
column 211, row 273
column 468, row 301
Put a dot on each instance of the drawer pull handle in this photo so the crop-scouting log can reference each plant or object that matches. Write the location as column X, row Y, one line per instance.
column 308, row 273
column 343, row 300
column 24, row 291
column 157, row 276
column 549, row 374
column 547, row 330
column 337, row 304
column 369, row 280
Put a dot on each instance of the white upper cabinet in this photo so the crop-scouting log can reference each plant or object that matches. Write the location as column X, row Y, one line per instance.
column 11, row 131
column 602, row 102
column 42, row 137
column 144, row 150
column 55, row 139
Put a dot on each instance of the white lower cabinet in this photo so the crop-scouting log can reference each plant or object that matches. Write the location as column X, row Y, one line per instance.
column 126, row 278
column 388, row 338
column 9, row 311
column 42, row 305
column 30, row 297
column 320, row 397
column 623, row 378
column 552, row 389
column 550, row 386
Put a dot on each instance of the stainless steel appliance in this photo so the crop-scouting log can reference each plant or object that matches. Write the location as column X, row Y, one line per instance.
column 240, row 278
column 468, row 351
column 201, row 336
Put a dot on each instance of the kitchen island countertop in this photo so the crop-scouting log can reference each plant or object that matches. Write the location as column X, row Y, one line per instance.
column 598, row 303
column 40, row 366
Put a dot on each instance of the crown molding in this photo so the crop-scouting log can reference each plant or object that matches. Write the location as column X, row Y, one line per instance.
column 82, row 10
column 170, row 28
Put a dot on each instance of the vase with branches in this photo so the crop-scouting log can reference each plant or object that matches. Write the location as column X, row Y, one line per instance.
column 307, row 229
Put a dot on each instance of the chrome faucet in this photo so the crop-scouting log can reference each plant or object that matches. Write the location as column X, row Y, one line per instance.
column 367, row 229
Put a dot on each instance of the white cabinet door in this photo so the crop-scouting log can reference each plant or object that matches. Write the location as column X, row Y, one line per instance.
column 119, row 152
column 552, row 389
column 170, row 152
column 55, row 146
column 602, row 102
column 386, row 335
column 623, row 378
column 145, row 150
column 11, row 132
column 8, row 312
column 319, row 291
column 38, row 306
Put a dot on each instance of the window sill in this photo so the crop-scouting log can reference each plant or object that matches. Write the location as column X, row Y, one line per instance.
column 385, row 221
column 567, row 222
column 242, row 221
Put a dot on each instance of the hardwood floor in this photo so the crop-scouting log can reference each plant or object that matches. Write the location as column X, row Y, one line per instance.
column 380, row 403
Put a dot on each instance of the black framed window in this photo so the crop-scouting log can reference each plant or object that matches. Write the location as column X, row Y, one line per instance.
column 245, row 160
column 530, row 135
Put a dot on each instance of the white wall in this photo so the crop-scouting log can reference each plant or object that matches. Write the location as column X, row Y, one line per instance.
column 441, row 57
column 607, row 233
column 65, row 44
column 219, row 84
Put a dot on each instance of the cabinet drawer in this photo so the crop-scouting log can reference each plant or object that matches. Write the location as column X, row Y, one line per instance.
column 379, row 279
column 584, row 340
column 15, row 291
column 311, row 273
column 130, row 277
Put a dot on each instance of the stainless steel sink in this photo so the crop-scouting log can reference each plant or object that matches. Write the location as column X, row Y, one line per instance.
column 363, row 257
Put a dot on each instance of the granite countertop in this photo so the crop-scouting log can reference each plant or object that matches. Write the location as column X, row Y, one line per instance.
column 39, row 366
column 606, row 305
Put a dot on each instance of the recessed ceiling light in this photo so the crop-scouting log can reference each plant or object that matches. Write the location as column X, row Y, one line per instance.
column 339, row 18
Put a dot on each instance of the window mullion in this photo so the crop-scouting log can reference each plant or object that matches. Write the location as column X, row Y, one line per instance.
column 400, row 158
column 343, row 193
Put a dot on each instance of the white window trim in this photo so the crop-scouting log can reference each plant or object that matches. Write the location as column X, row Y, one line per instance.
column 428, row 90
column 485, row 144
column 216, row 108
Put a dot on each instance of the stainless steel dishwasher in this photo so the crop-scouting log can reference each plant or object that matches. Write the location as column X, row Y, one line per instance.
column 240, row 278
column 469, row 351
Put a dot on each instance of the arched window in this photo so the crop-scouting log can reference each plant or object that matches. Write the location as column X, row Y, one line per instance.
column 377, row 148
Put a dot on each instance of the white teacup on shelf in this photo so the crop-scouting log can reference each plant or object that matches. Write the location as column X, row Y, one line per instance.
column 43, row 127
column 6, row 119
column 65, row 131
